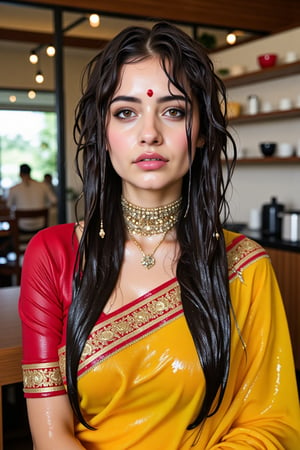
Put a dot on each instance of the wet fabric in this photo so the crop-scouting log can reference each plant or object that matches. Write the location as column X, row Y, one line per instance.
column 140, row 381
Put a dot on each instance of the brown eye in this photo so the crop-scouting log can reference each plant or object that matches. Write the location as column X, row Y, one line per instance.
column 124, row 114
column 175, row 113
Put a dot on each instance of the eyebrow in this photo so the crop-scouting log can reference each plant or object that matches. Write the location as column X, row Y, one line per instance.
column 128, row 98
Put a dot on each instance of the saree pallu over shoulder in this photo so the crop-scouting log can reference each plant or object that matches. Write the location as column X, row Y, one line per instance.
column 242, row 252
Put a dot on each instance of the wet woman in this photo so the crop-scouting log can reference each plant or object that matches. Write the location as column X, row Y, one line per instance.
column 148, row 325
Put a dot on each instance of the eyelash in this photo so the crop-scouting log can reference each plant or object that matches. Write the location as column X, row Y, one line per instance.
column 121, row 113
column 180, row 113
column 127, row 113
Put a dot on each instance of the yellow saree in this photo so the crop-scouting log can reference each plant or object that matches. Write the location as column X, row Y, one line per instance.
column 150, row 384
column 141, row 383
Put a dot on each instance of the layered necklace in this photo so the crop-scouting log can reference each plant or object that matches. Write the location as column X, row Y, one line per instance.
column 148, row 222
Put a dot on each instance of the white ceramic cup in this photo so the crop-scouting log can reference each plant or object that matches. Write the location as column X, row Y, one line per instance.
column 285, row 104
column 291, row 57
column 254, row 219
column 285, row 150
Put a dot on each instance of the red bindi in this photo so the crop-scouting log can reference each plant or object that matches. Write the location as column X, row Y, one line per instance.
column 149, row 92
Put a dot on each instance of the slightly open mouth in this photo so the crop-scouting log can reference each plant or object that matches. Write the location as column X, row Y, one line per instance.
column 151, row 159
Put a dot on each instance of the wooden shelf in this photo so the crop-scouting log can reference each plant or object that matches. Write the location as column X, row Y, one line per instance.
column 268, row 160
column 263, row 75
column 274, row 115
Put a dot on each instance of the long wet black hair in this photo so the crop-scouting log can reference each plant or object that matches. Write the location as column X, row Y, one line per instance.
column 202, row 266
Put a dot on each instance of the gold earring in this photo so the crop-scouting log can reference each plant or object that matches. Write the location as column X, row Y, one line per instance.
column 101, row 232
column 216, row 235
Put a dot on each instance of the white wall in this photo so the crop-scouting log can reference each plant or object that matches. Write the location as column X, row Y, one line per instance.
column 254, row 185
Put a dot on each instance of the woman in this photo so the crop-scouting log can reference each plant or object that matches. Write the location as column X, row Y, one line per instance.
column 165, row 331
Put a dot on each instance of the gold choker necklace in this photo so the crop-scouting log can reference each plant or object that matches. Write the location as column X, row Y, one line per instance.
column 150, row 221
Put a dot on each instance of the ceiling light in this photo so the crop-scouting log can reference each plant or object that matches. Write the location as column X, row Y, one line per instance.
column 12, row 98
column 94, row 20
column 31, row 94
column 33, row 57
column 50, row 50
column 231, row 38
column 39, row 77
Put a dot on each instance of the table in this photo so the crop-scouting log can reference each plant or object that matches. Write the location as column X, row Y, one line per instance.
column 10, row 343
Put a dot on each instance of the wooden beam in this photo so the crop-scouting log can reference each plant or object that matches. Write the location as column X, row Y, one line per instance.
column 256, row 15
column 47, row 38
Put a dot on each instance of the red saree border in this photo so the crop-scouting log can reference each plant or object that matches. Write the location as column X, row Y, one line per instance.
column 242, row 252
column 120, row 329
column 136, row 301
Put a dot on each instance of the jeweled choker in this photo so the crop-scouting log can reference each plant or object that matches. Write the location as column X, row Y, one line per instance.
column 150, row 221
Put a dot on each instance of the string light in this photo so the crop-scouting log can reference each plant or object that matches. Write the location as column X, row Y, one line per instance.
column 231, row 38
column 94, row 20
column 33, row 57
column 31, row 94
column 50, row 50
column 39, row 77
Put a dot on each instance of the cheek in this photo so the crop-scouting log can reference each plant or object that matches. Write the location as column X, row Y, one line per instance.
column 178, row 142
column 119, row 140
column 114, row 139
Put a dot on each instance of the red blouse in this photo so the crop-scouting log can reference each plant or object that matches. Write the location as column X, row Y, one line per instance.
column 43, row 307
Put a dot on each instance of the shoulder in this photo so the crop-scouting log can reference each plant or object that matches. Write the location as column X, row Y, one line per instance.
column 242, row 252
column 38, row 184
column 51, row 253
column 55, row 238
column 16, row 187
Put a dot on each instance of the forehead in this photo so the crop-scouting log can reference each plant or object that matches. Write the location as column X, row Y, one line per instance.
column 144, row 75
column 146, row 69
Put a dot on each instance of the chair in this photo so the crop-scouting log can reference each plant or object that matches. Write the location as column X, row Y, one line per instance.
column 16, row 239
column 4, row 209
column 24, row 236
column 9, row 247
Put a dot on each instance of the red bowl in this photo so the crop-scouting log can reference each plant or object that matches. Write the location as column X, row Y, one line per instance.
column 267, row 60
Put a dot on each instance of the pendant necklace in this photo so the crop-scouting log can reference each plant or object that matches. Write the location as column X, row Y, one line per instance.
column 148, row 261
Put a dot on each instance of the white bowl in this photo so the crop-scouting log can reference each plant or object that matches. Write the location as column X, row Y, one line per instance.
column 285, row 150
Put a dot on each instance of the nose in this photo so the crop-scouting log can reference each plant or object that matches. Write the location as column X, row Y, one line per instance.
column 150, row 132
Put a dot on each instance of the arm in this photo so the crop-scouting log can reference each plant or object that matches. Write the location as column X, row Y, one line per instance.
column 43, row 306
column 50, row 196
column 10, row 201
column 51, row 424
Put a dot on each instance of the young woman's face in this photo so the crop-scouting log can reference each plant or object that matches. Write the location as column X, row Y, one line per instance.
column 146, row 132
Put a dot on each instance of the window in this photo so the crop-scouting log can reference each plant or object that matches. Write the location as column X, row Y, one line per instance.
column 27, row 135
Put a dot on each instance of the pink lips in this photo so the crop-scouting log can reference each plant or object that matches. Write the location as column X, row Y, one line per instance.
column 151, row 161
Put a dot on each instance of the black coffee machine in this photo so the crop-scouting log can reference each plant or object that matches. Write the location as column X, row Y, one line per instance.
column 272, row 218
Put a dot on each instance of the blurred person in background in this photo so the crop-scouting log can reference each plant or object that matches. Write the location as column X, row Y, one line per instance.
column 30, row 194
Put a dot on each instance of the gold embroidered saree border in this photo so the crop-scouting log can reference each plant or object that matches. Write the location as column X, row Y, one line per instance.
column 118, row 331
column 42, row 378
column 242, row 252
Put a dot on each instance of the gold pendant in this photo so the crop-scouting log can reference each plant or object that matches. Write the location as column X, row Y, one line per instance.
column 148, row 261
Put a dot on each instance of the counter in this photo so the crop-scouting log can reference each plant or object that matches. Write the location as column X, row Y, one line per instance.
column 268, row 242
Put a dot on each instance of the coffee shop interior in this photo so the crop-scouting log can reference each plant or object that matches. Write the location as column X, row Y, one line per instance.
column 44, row 47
